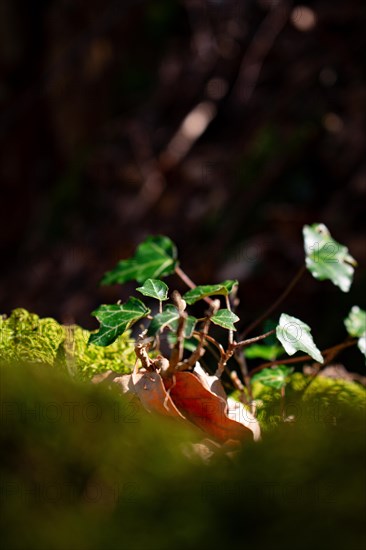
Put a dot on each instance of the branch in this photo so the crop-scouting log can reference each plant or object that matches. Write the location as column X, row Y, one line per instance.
column 188, row 281
column 333, row 350
column 244, row 343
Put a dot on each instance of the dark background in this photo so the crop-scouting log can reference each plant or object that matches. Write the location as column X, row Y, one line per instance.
column 93, row 157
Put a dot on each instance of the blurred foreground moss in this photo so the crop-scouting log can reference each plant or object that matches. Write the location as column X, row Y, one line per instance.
column 84, row 468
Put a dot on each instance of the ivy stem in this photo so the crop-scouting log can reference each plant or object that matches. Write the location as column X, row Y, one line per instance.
column 275, row 305
column 333, row 350
column 188, row 281
column 242, row 362
column 255, row 339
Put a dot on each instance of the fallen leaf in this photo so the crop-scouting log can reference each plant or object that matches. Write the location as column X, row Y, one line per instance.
column 152, row 393
column 236, row 411
column 203, row 408
column 210, row 382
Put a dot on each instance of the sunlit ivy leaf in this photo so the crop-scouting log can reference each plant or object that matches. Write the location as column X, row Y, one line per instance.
column 361, row 344
column 115, row 319
column 356, row 326
column 170, row 318
column 154, row 289
column 203, row 291
column 275, row 377
column 356, row 322
column 295, row 336
column 257, row 351
column 326, row 258
column 154, row 258
column 225, row 318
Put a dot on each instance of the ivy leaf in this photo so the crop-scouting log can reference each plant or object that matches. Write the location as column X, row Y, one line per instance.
column 295, row 336
column 155, row 257
column 275, row 377
column 203, row 291
column 361, row 344
column 116, row 319
column 154, row 288
column 326, row 258
column 170, row 318
column 163, row 319
column 225, row 318
column 258, row 351
column 356, row 322
column 356, row 326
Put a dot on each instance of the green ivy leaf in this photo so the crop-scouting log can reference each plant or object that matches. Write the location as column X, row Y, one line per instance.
column 203, row 291
column 326, row 258
column 295, row 336
column 170, row 318
column 225, row 318
column 154, row 288
column 163, row 319
column 258, row 351
column 116, row 319
column 361, row 344
column 155, row 257
column 275, row 377
column 356, row 322
column 356, row 326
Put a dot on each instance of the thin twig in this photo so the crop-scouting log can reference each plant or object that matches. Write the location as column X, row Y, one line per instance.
column 200, row 350
column 188, row 281
column 337, row 349
column 240, row 359
column 253, row 340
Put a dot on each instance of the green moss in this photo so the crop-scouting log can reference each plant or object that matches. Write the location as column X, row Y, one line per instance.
column 26, row 337
column 310, row 400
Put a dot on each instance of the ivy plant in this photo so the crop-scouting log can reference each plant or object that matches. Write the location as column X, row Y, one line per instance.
column 174, row 336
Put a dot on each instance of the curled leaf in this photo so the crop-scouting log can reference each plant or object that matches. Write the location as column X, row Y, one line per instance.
column 151, row 391
column 210, row 382
column 203, row 408
column 236, row 411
